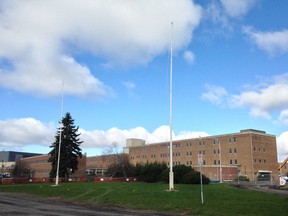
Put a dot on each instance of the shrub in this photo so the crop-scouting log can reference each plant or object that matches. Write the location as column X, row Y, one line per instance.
column 242, row 178
column 180, row 171
column 151, row 172
column 193, row 177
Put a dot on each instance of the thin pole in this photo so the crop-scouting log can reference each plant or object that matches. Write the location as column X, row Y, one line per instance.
column 220, row 160
column 220, row 164
column 60, row 139
column 201, row 182
column 171, row 175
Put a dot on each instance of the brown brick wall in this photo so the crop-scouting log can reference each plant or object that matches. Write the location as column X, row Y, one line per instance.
column 250, row 151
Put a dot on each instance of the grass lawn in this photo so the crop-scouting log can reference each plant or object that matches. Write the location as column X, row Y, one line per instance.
column 219, row 199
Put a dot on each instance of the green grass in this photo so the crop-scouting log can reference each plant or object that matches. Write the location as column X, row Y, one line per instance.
column 219, row 199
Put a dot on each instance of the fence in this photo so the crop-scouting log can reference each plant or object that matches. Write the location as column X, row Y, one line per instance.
column 108, row 179
column 38, row 180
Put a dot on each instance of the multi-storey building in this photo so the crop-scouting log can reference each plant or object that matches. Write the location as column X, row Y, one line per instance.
column 247, row 153
column 97, row 165
column 283, row 167
column 39, row 167
column 224, row 157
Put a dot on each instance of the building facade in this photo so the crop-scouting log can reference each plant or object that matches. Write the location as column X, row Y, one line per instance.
column 283, row 167
column 39, row 167
column 224, row 157
column 246, row 153
column 97, row 165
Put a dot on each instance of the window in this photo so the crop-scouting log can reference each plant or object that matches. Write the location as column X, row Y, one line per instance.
column 190, row 153
column 214, row 151
column 235, row 161
column 235, row 151
column 230, row 151
column 218, row 161
column 231, row 162
column 214, row 162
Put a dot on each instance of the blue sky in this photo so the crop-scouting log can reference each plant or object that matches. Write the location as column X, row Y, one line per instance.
column 230, row 70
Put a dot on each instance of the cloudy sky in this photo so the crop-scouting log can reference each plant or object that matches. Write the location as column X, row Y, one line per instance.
column 111, row 58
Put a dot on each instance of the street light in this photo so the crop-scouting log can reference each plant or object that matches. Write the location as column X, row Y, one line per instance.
column 220, row 162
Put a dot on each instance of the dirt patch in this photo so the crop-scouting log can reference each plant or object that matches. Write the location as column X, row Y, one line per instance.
column 262, row 187
column 22, row 204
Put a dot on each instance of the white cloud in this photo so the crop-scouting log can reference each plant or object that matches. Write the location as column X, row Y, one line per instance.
column 283, row 117
column 263, row 101
column 282, row 145
column 214, row 12
column 214, row 94
column 272, row 42
column 39, row 44
column 267, row 97
column 18, row 133
column 25, row 131
column 189, row 56
column 129, row 85
column 236, row 8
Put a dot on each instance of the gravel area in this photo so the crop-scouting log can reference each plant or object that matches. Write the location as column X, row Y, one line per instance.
column 268, row 188
column 22, row 204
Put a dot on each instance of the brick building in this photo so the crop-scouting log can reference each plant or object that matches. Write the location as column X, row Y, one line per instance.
column 39, row 167
column 249, row 152
column 246, row 153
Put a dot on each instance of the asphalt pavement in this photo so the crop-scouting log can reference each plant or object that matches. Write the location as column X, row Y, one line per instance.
column 12, row 204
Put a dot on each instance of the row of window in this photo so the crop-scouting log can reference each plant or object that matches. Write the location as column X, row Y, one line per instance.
column 189, row 154
column 178, row 145
column 230, row 162
column 175, row 154
column 259, row 149
column 38, row 162
column 42, row 171
column 215, row 141
column 260, row 161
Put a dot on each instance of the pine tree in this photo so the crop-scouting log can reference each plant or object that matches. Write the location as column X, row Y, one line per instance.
column 70, row 149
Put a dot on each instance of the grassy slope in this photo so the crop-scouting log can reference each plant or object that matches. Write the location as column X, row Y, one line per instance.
column 219, row 199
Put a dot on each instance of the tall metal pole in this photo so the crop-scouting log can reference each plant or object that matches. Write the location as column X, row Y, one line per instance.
column 171, row 175
column 60, row 140
column 220, row 161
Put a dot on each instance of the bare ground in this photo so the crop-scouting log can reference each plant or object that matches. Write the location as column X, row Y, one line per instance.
column 23, row 204
column 268, row 188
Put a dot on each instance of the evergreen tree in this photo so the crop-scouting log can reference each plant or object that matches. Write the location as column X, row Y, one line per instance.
column 69, row 149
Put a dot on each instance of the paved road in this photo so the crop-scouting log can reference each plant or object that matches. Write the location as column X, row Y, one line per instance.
column 262, row 187
column 21, row 204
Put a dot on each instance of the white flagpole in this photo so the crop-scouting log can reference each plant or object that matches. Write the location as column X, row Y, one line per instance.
column 171, row 175
column 60, row 139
